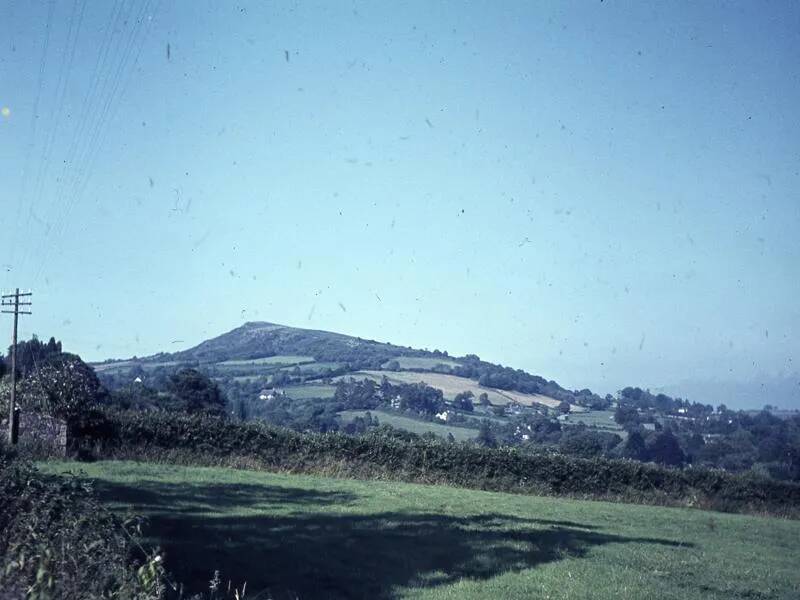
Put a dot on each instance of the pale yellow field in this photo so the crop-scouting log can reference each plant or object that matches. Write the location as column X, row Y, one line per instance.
column 452, row 385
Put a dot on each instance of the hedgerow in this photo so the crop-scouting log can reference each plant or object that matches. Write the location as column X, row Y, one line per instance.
column 209, row 440
column 57, row 542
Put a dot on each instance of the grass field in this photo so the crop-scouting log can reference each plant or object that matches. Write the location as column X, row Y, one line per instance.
column 301, row 392
column 421, row 362
column 319, row 366
column 452, row 385
column 292, row 536
column 127, row 365
column 412, row 425
column 269, row 360
column 602, row 419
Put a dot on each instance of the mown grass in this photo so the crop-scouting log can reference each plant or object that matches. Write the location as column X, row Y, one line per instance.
column 300, row 536
column 413, row 425
column 305, row 391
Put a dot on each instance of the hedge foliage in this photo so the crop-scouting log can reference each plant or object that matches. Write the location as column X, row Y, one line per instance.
column 57, row 542
column 210, row 440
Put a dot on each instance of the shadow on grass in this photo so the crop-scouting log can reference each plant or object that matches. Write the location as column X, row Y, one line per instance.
column 153, row 495
column 313, row 554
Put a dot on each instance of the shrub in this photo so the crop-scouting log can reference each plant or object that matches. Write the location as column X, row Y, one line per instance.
column 58, row 543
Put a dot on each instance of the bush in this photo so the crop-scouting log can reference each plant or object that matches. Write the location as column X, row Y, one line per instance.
column 57, row 542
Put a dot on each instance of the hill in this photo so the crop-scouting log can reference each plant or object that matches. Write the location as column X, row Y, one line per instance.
column 260, row 339
column 262, row 354
column 311, row 537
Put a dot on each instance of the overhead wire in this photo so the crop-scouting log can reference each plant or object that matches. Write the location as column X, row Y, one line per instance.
column 22, row 197
column 110, row 84
column 115, row 83
column 65, row 68
column 87, row 111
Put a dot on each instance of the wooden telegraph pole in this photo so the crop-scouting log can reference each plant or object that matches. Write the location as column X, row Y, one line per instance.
column 12, row 301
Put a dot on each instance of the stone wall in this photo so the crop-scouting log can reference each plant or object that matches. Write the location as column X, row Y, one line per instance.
column 43, row 434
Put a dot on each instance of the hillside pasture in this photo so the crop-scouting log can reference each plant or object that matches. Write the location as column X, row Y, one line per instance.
column 421, row 362
column 308, row 537
column 602, row 419
column 306, row 391
column 316, row 367
column 417, row 426
column 280, row 360
column 126, row 365
column 598, row 418
column 452, row 385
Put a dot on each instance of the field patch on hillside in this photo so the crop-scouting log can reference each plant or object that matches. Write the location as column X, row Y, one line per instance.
column 452, row 385
column 413, row 425
column 269, row 360
column 126, row 365
column 302, row 392
column 310, row 537
column 421, row 362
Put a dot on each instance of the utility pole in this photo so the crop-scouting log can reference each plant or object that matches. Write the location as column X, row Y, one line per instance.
column 13, row 301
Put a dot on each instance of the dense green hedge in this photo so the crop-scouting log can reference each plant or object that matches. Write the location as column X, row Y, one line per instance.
column 209, row 440
column 56, row 542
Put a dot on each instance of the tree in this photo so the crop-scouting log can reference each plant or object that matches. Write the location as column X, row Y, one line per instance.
column 386, row 388
column 463, row 401
column 563, row 407
column 626, row 415
column 483, row 399
column 665, row 449
column 634, row 447
column 588, row 443
column 241, row 410
column 33, row 353
column 195, row 392
column 486, row 437
column 64, row 388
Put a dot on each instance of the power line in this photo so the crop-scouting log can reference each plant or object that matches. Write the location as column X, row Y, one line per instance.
column 116, row 80
column 34, row 120
column 62, row 85
column 55, row 119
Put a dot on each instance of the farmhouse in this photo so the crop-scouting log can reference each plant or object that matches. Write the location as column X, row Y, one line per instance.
column 269, row 394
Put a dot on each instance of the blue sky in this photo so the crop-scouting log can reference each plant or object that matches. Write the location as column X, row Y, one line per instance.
column 605, row 194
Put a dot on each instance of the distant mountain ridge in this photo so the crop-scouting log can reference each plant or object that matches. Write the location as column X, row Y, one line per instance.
column 258, row 349
column 256, row 339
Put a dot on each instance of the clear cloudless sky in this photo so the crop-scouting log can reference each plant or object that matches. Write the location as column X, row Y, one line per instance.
column 603, row 193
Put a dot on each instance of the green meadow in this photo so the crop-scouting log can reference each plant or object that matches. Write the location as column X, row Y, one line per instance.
column 300, row 536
